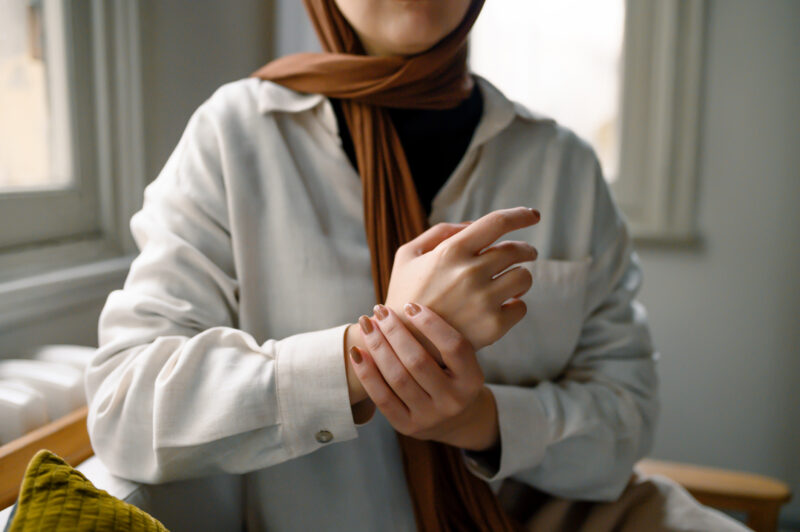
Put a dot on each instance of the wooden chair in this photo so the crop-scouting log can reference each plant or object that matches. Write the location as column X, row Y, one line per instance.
column 67, row 437
column 758, row 496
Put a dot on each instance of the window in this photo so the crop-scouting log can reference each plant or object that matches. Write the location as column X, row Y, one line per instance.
column 32, row 131
column 70, row 149
column 562, row 59
column 38, row 130
column 625, row 76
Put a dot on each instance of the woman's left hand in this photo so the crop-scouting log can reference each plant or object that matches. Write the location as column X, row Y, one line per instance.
column 418, row 397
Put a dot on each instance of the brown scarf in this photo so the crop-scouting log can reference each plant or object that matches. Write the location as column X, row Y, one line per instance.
column 446, row 496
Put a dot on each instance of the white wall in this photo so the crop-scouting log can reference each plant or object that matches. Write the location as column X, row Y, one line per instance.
column 726, row 316
column 191, row 47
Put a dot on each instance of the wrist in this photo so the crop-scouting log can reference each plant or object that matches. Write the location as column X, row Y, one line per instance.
column 361, row 405
column 353, row 338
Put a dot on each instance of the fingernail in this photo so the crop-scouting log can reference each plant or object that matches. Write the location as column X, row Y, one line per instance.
column 536, row 212
column 366, row 325
column 411, row 308
column 355, row 355
column 380, row 311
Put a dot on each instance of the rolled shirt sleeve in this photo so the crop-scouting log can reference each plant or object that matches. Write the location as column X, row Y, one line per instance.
column 176, row 389
column 578, row 436
column 314, row 403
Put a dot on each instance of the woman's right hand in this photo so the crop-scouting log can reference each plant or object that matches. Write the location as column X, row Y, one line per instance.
column 450, row 268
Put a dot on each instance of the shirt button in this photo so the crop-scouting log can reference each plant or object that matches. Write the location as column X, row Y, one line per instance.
column 324, row 436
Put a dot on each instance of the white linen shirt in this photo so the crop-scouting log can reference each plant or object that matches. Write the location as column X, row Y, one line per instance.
column 224, row 350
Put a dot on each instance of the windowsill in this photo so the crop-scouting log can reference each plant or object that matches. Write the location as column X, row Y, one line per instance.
column 32, row 297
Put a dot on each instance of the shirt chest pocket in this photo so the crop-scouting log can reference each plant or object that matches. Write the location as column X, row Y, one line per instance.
column 540, row 346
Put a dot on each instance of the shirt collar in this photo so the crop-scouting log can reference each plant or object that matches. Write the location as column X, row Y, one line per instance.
column 498, row 110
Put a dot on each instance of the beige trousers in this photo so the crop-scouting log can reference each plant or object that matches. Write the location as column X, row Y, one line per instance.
column 651, row 503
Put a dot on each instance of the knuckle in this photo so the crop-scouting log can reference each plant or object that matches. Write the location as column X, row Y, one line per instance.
column 485, row 301
column 427, row 322
column 455, row 344
column 417, row 363
column 374, row 342
column 389, row 326
column 451, row 405
column 447, row 251
column 473, row 269
column 399, row 380
column 382, row 400
column 464, row 274
column 502, row 218
column 461, row 346
column 446, row 227
column 401, row 251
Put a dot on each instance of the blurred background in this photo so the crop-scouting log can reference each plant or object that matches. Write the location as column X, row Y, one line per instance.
column 692, row 105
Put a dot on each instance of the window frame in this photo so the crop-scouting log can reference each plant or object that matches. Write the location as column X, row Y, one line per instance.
column 67, row 98
column 44, row 275
column 661, row 102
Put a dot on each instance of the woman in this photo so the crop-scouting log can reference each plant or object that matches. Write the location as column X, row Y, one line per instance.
column 294, row 201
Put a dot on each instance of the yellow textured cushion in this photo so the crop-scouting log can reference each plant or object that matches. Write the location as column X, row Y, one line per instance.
column 54, row 496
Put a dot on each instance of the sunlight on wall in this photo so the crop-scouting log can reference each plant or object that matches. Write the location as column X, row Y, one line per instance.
column 24, row 113
column 561, row 59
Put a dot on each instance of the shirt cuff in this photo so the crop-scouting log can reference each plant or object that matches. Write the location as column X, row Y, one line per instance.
column 312, row 390
column 524, row 435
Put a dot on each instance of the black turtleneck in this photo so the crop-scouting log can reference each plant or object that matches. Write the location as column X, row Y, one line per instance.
column 434, row 140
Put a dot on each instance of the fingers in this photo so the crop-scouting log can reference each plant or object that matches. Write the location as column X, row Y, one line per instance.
column 374, row 384
column 457, row 353
column 391, row 368
column 512, row 283
column 431, row 238
column 497, row 258
column 489, row 228
column 419, row 363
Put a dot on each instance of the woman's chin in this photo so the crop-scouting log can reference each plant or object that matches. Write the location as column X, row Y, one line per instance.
column 402, row 27
column 412, row 39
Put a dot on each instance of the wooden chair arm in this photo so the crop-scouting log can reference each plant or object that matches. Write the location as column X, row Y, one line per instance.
column 759, row 496
column 67, row 437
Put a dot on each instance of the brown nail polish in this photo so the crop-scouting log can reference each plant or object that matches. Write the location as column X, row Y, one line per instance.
column 537, row 213
column 380, row 311
column 412, row 309
column 366, row 325
column 355, row 355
